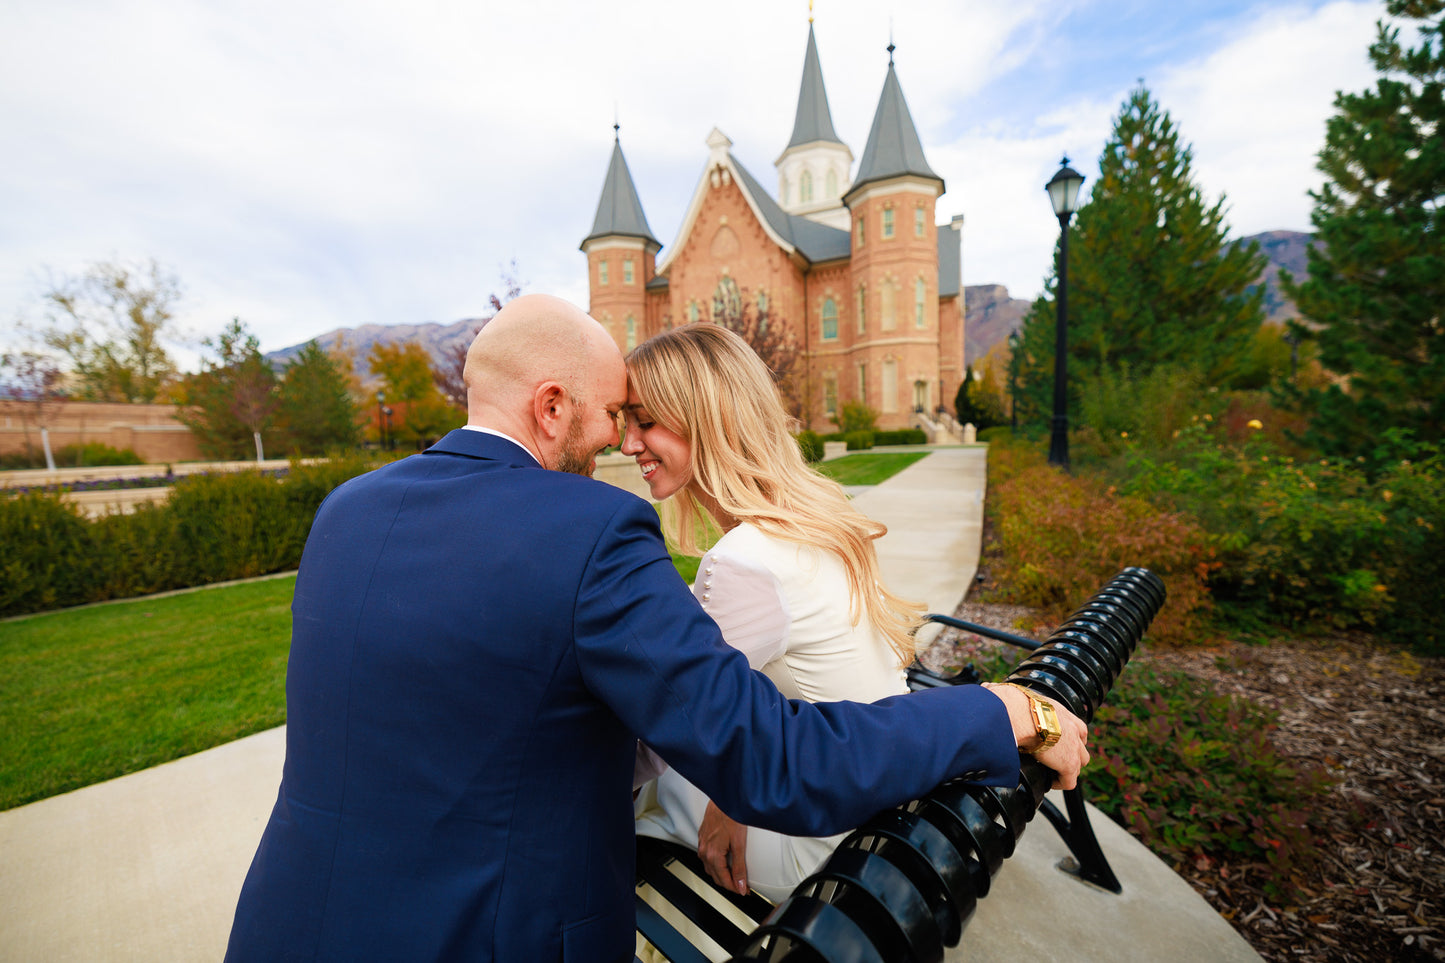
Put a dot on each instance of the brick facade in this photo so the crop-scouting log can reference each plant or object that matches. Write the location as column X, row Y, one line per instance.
column 874, row 319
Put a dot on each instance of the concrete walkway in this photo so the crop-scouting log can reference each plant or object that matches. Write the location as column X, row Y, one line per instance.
column 148, row 867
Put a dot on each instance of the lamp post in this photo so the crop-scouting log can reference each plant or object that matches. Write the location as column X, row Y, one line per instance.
column 381, row 420
column 390, row 441
column 1013, row 376
column 1064, row 195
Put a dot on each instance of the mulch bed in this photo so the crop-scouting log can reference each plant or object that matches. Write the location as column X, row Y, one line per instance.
column 1371, row 716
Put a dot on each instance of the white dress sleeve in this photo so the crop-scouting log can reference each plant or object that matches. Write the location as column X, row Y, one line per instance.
column 746, row 600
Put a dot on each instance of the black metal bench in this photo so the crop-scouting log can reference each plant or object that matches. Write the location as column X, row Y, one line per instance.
column 904, row 884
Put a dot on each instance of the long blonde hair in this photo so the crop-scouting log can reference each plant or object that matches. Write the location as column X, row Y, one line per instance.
column 703, row 382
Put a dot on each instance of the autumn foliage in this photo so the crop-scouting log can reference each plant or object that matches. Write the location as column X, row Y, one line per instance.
column 1062, row 536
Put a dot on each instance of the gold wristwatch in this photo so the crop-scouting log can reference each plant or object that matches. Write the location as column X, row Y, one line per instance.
column 1046, row 720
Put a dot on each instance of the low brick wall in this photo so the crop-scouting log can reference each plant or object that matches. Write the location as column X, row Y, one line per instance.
column 151, row 431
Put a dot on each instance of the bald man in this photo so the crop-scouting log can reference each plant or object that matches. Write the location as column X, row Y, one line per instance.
column 478, row 642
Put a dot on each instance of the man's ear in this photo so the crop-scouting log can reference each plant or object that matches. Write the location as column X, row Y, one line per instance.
column 550, row 409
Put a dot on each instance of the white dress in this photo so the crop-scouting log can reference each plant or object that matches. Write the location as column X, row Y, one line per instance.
column 785, row 606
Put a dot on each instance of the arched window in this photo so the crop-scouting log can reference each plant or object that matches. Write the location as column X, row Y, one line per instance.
column 692, row 311
column 918, row 221
column 602, row 271
column 830, row 394
column 920, row 295
column 862, row 309
column 830, row 319
column 627, row 270
column 887, row 222
column 862, row 234
column 805, row 187
column 727, row 301
column 631, row 332
column 890, row 385
column 832, row 183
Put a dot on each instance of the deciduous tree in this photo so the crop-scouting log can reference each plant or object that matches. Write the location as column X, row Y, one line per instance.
column 112, row 322
column 421, row 413
column 34, row 379
column 772, row 339
column 232, row 400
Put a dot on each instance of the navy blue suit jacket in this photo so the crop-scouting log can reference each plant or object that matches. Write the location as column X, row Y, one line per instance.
column 476, row 645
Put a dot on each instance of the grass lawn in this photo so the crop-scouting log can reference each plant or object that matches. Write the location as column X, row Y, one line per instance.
column 868, row 469
column 93, row 693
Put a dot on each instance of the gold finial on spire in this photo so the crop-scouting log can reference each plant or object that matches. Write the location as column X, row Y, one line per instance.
column 810, row 11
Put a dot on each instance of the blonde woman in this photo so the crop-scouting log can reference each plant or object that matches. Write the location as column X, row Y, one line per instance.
column 792, row 582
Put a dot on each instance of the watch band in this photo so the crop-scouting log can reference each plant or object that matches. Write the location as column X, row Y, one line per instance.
column 1046, row 719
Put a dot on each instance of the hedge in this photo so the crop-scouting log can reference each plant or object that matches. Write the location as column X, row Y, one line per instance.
column 214, row 528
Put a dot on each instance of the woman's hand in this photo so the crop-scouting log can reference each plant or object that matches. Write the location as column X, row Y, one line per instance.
column 722, row 845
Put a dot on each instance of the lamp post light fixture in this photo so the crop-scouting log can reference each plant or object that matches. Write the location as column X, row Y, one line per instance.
column 1013, row 377
column 381, row 420
column 1064, row 195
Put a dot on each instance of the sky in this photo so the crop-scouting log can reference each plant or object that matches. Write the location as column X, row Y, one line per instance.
column 308, row 165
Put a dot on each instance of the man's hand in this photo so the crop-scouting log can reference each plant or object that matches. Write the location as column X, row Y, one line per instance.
column 1066, row 757
column 722, row 845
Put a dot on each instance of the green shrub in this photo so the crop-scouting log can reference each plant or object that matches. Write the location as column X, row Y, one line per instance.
column 213, row 528
column 901, row 436
column 47, row 554
column 811, row 445
column 93, row 453
column 1195, row 775
column 1414, row 496
column 997, row 433
column 1297, row 541
column 1117, row 406
column 855, row 416
column 858, row 440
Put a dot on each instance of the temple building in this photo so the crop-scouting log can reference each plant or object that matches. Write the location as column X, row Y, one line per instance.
column 854, row 263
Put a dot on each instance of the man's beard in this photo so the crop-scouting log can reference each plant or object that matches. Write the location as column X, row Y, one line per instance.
column 574, row 459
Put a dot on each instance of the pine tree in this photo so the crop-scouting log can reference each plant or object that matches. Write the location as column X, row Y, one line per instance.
column 1378, row 279
column 1153, row 279
column 316, row 410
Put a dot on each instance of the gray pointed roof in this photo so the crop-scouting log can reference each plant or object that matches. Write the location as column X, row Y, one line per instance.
column 814, row 121
column 816, row 242
column 893, row 145
column 620, row 211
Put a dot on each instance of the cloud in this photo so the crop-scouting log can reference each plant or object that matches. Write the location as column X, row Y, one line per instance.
column 307, row 165
column 1255, row 109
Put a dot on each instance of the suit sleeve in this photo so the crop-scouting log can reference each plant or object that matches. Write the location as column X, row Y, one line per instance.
column 646, row 649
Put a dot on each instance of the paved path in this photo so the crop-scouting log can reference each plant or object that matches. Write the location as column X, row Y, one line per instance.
column 147, row 867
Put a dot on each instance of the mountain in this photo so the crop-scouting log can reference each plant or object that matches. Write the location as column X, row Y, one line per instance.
column 990, row 314
column 989, row 317
column 1287, row 250
column 356, row 343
